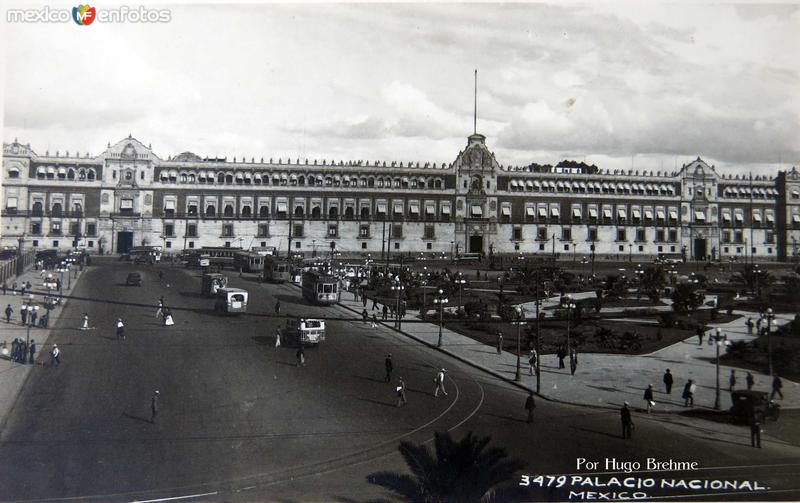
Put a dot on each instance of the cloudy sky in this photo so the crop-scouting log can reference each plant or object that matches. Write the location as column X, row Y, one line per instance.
column 648, row 85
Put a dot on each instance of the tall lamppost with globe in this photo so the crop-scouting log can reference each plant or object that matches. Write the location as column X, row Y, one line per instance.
column 770, row 317
column 639, row 275
column 460, row 281
column 570, row 306
column 398, row 287
column 440, row 301
column 520, row 316
column 31, row 310
column 717, row 343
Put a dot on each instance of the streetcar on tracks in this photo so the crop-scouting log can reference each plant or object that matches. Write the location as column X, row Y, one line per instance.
column 320, row 287
column 276, row 270
column 248, row 261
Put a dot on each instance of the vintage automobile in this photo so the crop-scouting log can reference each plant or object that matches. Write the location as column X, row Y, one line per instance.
column 231, row 300
column 211, row 283
column 304, row 331
column 134, row 279
column 748, row 404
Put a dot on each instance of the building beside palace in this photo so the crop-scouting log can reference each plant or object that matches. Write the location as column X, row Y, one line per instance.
column 129, row 196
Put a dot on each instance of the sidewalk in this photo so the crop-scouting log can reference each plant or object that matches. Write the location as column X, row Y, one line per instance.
column 608, row 380
column 12, row 374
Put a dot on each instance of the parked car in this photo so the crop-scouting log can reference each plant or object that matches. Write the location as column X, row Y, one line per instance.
column 134, row 279
column 749, row 403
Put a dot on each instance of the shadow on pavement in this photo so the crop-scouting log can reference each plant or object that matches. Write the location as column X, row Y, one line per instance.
column 136, row 418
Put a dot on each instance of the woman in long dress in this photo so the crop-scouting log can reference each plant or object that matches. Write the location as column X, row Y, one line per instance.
column 168, row 321
column 277, row 338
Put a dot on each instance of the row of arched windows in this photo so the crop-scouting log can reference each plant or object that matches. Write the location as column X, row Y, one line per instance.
column 53, row 173
column 294, row 180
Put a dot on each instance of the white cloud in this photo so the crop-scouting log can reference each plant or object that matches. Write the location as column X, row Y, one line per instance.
column 382, row 81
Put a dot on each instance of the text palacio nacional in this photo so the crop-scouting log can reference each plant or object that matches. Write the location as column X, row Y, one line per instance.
column 128, row 196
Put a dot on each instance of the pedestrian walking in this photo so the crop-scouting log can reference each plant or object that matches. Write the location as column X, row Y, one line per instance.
column 278, row 307
column 561, row 353
column 14, row 288
column 364, row 299
column 5, row 287
column 732, row 379
column 32, row 352
column 389, row 367
column 530, row 404
column 34, row 315
column 364, row 315
column 648, row 398
column 384, row 312
column 301, row 356
column 777, row 384
column 688, row 393
column 154, row 406
column 573, row 361
column 532, row 361
column 55, row 355
column 23, row 313
column 23, row 351
column 755, row 431
column 499, row 342
column 750, row 380
column 277, row 338
column 400, row 389
column 758, row 324
column 168, row 320
column 160, row 310
column 374, row 303
column 439, row 380
column 15, row 350
column 120, row 329
column 85, row 325
column 749, row 324
column 700, row 334
column 9, row 312
column 374, row 320
column 668, row 381
column 627, row 421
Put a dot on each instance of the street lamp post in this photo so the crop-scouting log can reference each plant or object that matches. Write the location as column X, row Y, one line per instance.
column 570, row 307
column 398, row 287
column 460, row 281
column 520, row 317
column 639, row 274
column 770, row 317
column 440, row 301
column 718, row 341
column 31, row 309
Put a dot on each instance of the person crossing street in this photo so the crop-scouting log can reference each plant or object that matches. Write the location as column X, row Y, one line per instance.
column 120, row 329
column 439, row 380
column 389, row 367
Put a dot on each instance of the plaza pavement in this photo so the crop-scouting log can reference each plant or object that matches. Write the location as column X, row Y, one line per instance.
column 12, row 374
column 608, row 380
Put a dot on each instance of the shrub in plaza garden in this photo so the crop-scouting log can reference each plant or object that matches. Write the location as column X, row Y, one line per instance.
column 686, row 298
column 653, row 282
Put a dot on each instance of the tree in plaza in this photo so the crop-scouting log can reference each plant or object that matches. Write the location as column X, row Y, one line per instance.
column 653, row 281
column 616, row 286
column 463, row 471
column 686, row 298
column 756, row 278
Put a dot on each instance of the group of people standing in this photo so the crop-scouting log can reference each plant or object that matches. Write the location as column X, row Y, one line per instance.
column 22, row 351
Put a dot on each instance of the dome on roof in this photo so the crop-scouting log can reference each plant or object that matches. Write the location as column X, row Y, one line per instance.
column 187, row 157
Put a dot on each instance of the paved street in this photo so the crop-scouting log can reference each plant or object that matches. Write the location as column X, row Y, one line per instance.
column 239, row 420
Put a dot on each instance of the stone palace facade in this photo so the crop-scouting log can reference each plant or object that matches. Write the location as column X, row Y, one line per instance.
column 128, row 196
